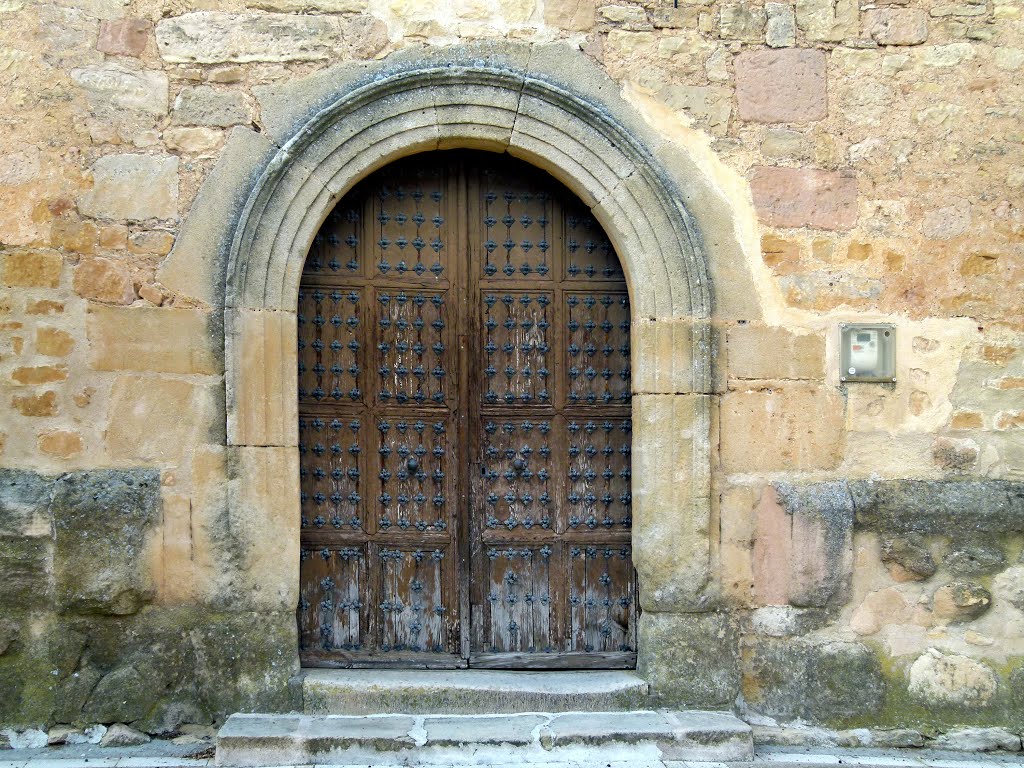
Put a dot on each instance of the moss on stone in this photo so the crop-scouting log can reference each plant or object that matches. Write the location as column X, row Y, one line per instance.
column 24, row 577
column 102, row 520
column 827, row 682
column 690, row 660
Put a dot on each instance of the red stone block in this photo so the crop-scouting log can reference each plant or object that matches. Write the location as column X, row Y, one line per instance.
column 781, row 86
column 803, row 197
column 125, row 37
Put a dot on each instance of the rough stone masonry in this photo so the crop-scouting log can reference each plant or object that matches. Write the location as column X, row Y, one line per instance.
column 865, row 543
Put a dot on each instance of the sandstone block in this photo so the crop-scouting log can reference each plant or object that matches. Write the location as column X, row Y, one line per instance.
column 124, row 37
column 791, row 427
column 152, row 339
column 193, row 140
column 155, row 241
column 75, row 236
column 112, row 88
column 937, row 679
column 155, row 420
column 736, row 542
column 780, row 31
column 663, row 354
column 780, row 255
column 774, row 353
column 896, row 26
column 740, row 21
column 32, row 269
column 132, row 187
column 40, row 374
column 946, row 55
column 263, row 489
column 828, row 21
column 572, row 15
column 260, row 343
column 781, row 86
column 960, row 601
column 214, row 38
column 43, row 404
column 203, row 105
column 103, row 280
column 623, row 14
column 113, row 236
column 671, row 500
column 60, row 444
column 797, row 197
column 153, row 294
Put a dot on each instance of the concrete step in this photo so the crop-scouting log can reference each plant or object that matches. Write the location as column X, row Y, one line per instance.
column 467, row 691
column 529, row 738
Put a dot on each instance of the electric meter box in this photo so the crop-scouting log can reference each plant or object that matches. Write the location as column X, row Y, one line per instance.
column 867, row 352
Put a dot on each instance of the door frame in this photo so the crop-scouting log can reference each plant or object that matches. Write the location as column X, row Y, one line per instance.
column 553, row 108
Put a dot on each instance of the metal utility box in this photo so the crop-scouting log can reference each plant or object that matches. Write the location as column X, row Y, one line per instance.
column 867, row 352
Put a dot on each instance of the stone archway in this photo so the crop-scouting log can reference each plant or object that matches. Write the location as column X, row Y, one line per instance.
column 512, row 100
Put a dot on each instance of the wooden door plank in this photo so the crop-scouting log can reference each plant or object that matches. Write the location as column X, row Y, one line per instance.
column 534, row 661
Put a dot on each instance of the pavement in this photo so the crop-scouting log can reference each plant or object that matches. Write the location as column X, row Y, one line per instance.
column 160, row 754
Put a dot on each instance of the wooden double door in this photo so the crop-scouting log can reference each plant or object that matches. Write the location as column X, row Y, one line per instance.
column 464, row 425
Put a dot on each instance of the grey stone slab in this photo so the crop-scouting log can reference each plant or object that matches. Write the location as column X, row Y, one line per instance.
column 243, row 726
column 704, row 735
column 340, row 731
column 503, row 729
column 102, row 521
column 951, row 507
column 601, row 727
column 679, row 735
column 468, row 691
column 260, row 740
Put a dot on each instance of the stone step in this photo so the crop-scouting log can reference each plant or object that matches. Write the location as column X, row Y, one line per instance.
column 468, row 691
column 639, row 736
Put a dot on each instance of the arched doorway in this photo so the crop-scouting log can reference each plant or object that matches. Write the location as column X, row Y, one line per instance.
column 464, row 425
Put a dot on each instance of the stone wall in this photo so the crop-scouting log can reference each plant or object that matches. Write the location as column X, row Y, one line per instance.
column 865, row 541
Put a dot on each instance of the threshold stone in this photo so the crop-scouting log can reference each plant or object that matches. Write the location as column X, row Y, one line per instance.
column 249, row 741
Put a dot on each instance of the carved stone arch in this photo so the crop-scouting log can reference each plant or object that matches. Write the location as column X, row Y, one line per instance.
column 553, row 108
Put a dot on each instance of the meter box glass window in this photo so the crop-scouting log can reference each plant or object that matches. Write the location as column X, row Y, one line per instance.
column 867, row 352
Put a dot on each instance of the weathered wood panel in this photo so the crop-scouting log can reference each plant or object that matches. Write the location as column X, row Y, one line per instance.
column 464, row 425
